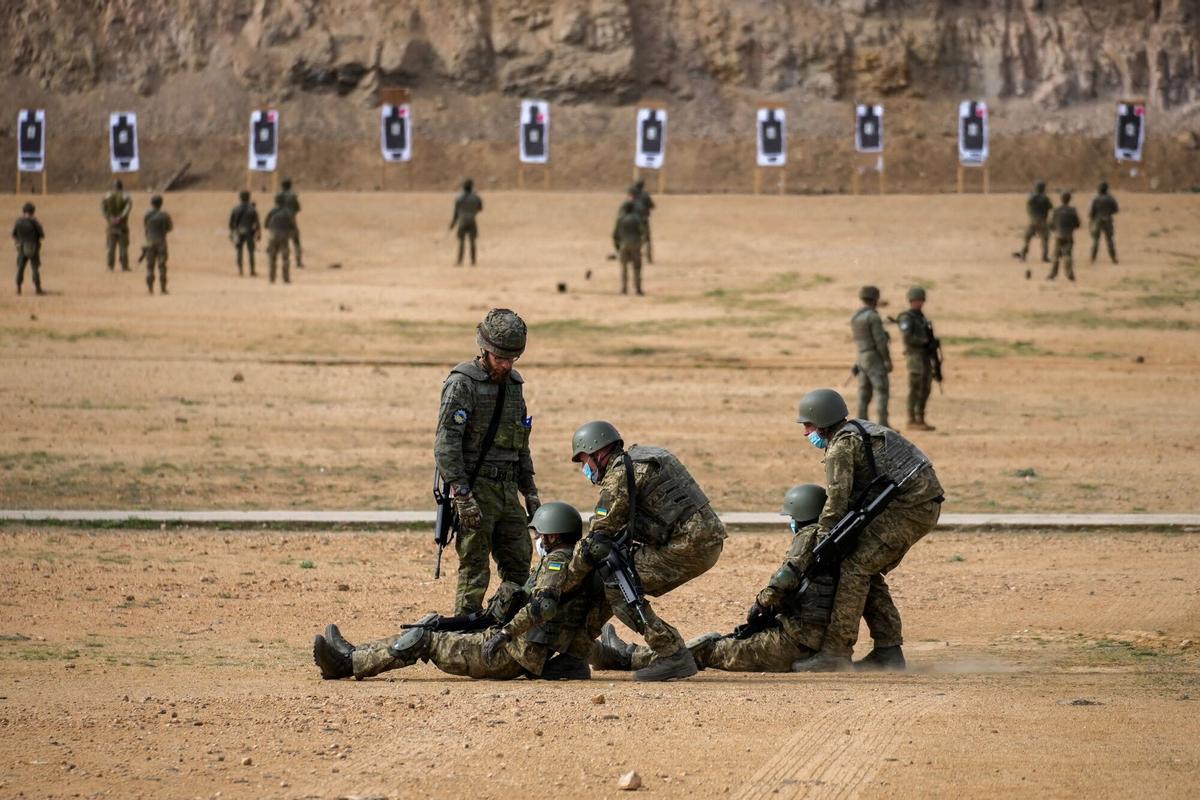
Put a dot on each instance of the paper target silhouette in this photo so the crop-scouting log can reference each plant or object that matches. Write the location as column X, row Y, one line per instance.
column 123, row 141
column 772, row 137
column 651, row 138
column 31, row 140
column 534, row 127
column 972, row 133
column 1131, row 131
column 395, row 132
column 264, row 140
column 868, row 128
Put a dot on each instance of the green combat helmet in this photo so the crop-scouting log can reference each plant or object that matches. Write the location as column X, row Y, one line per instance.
column 558, row 519
column 156, row 201
column 869, row 294
column 916, row 293
column 822, row 408
column 803, row 502
column 1040, row 187
column 593, row 436
column 502, row 333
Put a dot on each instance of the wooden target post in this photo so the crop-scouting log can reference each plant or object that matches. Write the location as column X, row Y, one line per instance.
column 962, row 176
column 397, row 97
column 21, row 172
column 543, row 168
column 864, row 162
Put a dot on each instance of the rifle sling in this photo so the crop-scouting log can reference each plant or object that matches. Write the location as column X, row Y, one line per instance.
column 866, row 439
column 631, row 485
column 488, row 437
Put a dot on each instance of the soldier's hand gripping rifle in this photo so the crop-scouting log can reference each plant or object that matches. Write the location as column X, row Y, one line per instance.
column 617, row 570
column 934, row 351
column 446, row 524
column 854, row 370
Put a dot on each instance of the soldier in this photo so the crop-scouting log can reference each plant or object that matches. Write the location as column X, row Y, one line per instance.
column 157, row 225
column 788, row 625
column 874, row 360
column 649, row 496
column 856, row 453
column 1100, row 220
column 1064, row 222
column 628, row 235
column 917, row 331
column 292, row 201
column 27, row 234
column 281, row 222
column 115, row 207
column 1038, row 206
column 467, row 206
column 643, row 204
column 244, row 229
column 482, row 396
column 539, row 631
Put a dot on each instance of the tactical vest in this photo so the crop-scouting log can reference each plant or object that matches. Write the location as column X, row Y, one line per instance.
column 281, row 220
column 245, row 218
column 558, row 633
column 291, row 201
column 919, row 332
column 629, row 228
column 157, row 224
column 895, row 457
column 1038, row 206
column 467, row 206
column 512, row 434
column 860, row 326
column 816, row 604
column 115, row 205
column 667, row 497
column 1104, row 207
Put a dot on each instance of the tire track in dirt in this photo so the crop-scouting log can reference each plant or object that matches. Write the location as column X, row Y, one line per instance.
column 836, row 753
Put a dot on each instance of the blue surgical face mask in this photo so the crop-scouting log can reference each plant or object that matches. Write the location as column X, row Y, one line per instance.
column 818, row 441
column 589, row 473
column 541, row 547
column 795, row 526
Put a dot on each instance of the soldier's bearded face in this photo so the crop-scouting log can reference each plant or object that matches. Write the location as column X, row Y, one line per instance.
column 498, row 367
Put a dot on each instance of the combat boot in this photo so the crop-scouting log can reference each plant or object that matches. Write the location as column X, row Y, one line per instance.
column 338, row 642
column 882, row 659
column 333, row 663
column 563, row 667
column 823, row 662
column 679, row 665
column 610, row 652
column 924, row 426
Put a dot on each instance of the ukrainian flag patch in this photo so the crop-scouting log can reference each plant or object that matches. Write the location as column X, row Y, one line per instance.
column 554, row 566
column 601, row 511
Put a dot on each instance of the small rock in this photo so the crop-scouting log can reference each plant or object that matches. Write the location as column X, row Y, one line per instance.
column 181, row 420
column 1140, row 360
column 598, row 700
column 1185, row 644
column 128, row 598
column 33, row 317
column 629, row 782
column 247, row 761
column 239, row 377
column 562, row 288
column 343, row 587
column 343, row 307
column 445, row 691
column 335, row 266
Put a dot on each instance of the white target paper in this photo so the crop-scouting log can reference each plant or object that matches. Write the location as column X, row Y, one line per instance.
column 395, row 132
column 972, row 133
column 534, row 131
column 772, row 137
column 264, row 141
column 31, row 140
column 651, row 136
column 123, row 141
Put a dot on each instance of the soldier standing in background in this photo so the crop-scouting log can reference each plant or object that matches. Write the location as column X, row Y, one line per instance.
column 1064, row 222
column 115, row 207
column 244, row 229
column 485, row 481
column 628, row 235
column 157, row 225
column 643, row 204
column 1038, row 206
column 282, row 225
column 467, row 206
column 1100, row 219
column 27, row 235
column 919, row 340
column 292, row 201
column 874, row 360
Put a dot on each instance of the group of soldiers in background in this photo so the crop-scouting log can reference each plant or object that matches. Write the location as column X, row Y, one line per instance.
column 245, row 230
column 654, row 528
column 1063, row 221
column 116, row 207
column 631, row 235
column 873, row 363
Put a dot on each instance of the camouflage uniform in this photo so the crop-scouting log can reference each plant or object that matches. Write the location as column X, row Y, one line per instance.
column 644, row 205
column 1038, row 207
column 1100, row 217
column 157, row 224
column 244, row 230
column 468, row 397
column 291, row 201
column 1064, row 222
column 917, row 331
column 628, row 235
column 27, row 234
column 115, row 207
column 466, row 207
column 550, row 620
column 862, row 591
column 282, row 225
column 874, row 361
column 802, row 621
column 677, row 535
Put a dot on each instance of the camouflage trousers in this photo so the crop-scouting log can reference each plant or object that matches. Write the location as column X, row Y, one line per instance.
column 872, row 382
column 35, row 265
column 631, row 259
column 295, row 238
column 467, row 232
column 692, row 550
column 452, row 653
column 772, row 650
column 276, row 246
column 920, row 381
column 1063, row 247
column 244, row 241
column 1103, row 227
column 118, row 238
column 1040, row 229
column 503, row 535
column 156, row 256
column 862, row 591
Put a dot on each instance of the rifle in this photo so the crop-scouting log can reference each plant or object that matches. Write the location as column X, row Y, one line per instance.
column 762, row 623
column 475, row 621
column 854, row 370
column 142, row 257
column 617, row 570
column 934, row 351
column 446, row 524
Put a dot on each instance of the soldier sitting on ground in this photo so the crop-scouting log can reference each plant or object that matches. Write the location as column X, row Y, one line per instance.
column 537, row 631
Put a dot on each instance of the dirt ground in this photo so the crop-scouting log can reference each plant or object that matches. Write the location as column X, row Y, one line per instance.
column 155, row 663
column 1058, row 396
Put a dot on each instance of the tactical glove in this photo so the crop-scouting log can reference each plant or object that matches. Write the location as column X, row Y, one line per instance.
column 492, row 645
column 532, row 503
column 469, row 514
column 756, row 614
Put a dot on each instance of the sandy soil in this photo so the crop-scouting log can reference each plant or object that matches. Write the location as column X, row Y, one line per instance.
column 1058, row 397
column 139, row 664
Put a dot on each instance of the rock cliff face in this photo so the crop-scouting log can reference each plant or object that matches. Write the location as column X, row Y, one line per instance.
column 195, row 66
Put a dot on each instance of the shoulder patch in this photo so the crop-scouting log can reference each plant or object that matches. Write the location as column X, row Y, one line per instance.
column 461, row 416
column 601, row 511
column 904, row 323
column 554, row 566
